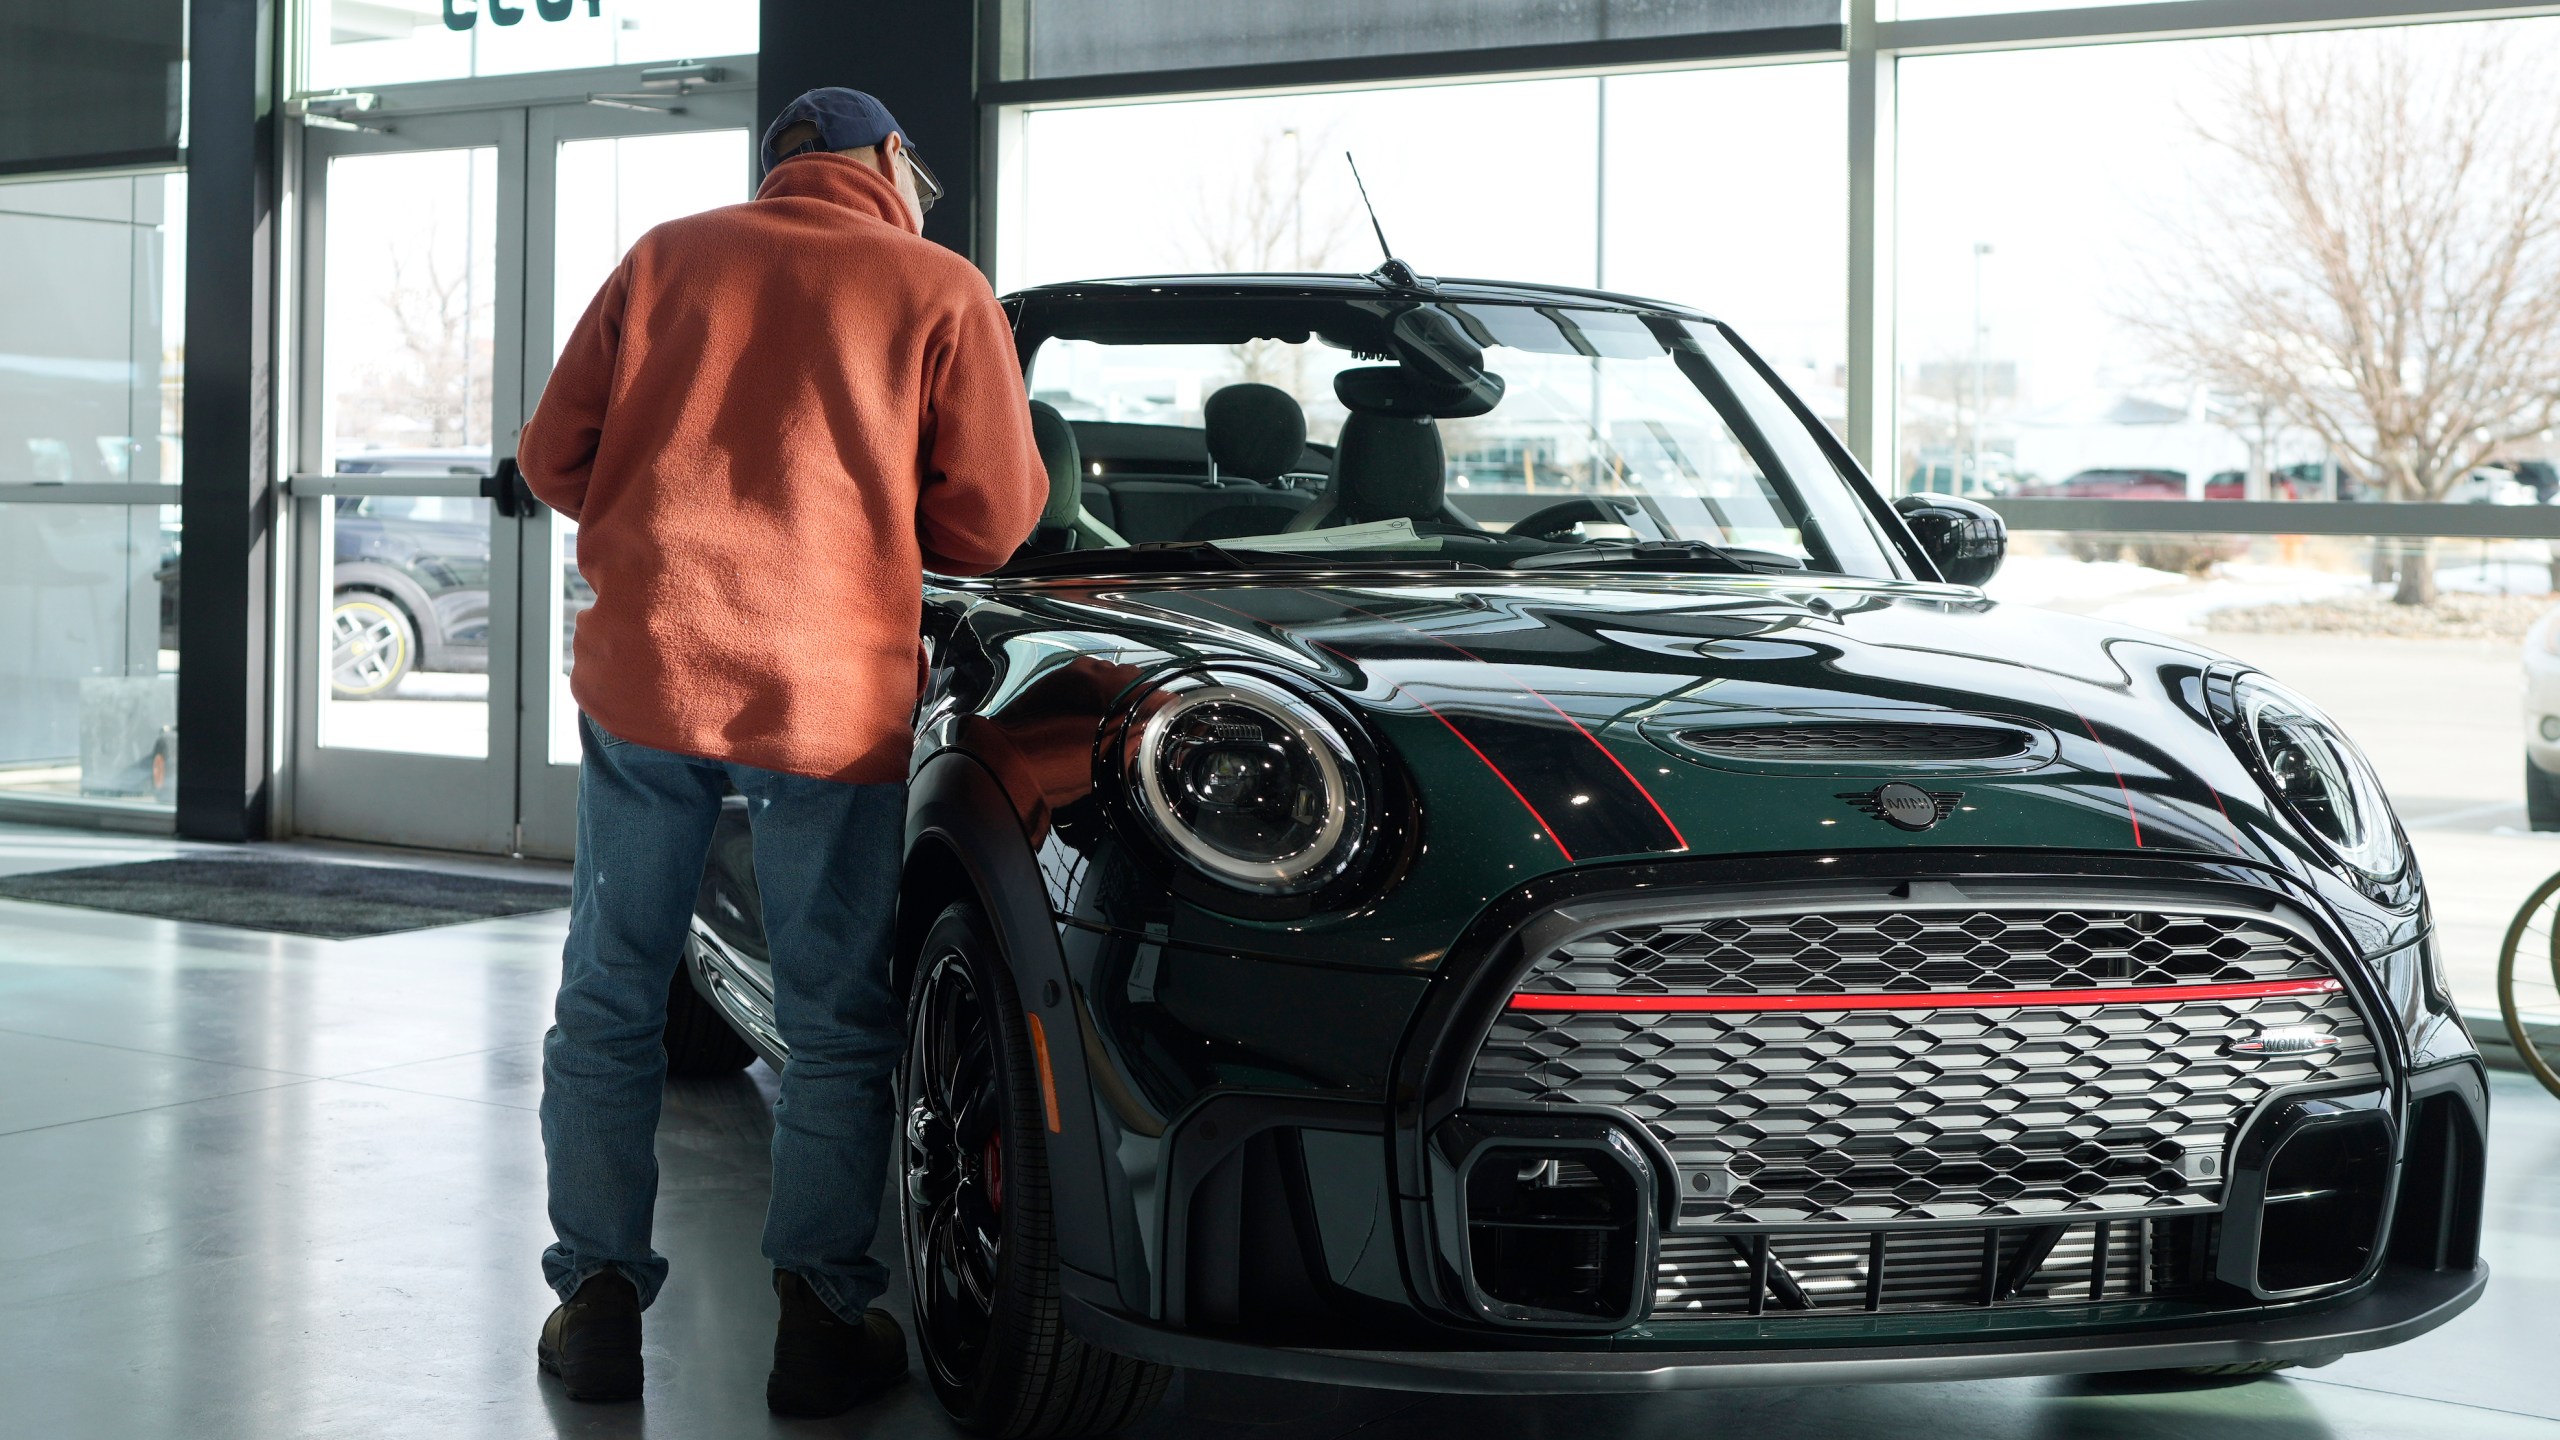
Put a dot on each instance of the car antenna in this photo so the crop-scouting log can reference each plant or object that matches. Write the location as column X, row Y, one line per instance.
column 1393, row 273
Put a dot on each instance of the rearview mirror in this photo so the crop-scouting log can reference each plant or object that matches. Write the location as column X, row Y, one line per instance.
column 1965, row 539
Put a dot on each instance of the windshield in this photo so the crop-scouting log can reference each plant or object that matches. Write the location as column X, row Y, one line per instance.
column 1389, row 431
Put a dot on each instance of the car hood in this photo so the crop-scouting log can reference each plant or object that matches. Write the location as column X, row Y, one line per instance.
column 1543, row 723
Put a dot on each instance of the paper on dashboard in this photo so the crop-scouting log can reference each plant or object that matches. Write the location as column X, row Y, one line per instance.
column 1397, row 534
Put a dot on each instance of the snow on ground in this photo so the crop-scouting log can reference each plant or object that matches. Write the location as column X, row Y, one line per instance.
column 2048, row 579
column 2158, row 599
column 2180, row 609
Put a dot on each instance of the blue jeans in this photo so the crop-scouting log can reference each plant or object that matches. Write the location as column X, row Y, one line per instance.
column 826, row 860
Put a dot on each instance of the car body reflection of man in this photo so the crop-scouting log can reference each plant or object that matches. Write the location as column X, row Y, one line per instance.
column 773, row 416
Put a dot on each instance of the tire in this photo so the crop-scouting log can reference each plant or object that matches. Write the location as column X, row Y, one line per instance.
column 973, row 1210
column 373, row 645
column 699, row 1041
column 2541, row 797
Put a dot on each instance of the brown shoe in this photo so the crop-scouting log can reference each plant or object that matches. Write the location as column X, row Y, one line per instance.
column 823, row 1366
column 593, row 1341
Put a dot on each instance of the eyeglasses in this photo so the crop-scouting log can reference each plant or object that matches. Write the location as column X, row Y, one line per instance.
column 928, row 189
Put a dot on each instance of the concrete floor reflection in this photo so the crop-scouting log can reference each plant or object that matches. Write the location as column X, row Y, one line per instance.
column 258, row 1186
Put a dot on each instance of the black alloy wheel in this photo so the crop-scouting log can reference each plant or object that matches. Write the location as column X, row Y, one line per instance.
column 955, row 1168
column 973, row 1192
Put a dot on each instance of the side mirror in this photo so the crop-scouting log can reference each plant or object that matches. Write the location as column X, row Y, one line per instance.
column 1965, row 539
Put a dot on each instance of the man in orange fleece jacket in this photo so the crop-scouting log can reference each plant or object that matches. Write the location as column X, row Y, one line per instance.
column 770, row 421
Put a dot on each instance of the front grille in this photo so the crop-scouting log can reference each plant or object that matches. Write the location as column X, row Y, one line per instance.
column 1838, row 743
column 2039, row 1107
column 1843, row 1269
column 1919, row 949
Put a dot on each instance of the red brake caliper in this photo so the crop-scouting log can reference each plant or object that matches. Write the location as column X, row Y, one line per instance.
column 995, row 1172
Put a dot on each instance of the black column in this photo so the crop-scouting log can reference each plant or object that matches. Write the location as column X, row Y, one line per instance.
column 918, row 56
column 223, row 720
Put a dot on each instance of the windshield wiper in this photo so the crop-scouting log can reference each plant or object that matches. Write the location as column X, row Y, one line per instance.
column 1662, row 554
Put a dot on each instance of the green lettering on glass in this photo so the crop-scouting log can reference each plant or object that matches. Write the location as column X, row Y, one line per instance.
column 502, row 13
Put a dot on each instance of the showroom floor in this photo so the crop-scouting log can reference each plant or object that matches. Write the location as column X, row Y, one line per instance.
column 261, row 1186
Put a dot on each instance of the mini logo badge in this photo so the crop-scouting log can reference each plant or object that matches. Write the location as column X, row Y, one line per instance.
column 1905, row 806
column 2282, row 1040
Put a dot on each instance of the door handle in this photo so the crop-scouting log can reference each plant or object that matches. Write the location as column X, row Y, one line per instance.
column 508, row 492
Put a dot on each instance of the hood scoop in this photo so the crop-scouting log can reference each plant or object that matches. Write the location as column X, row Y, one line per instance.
column 1850, row 741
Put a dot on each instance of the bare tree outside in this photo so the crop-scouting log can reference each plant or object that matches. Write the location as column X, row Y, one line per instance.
column 2376, row 260
column 1266, row 216
column 421, row 382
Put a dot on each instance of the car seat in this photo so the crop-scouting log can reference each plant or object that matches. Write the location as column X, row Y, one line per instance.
column 1386, row 467
column 1064, row 522
column 1254, row 434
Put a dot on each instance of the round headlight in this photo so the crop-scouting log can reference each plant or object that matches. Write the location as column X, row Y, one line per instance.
column 2319, row 778
column 1250, row 784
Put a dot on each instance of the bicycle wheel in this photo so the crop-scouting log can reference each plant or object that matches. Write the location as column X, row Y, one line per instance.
column 2529, row 983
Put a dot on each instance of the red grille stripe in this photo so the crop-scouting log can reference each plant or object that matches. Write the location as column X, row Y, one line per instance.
column 1922, row 1000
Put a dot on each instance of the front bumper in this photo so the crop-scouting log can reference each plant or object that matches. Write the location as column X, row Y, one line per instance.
column 2400, row 1303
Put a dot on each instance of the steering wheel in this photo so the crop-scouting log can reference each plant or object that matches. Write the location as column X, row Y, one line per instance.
column 1550, row 522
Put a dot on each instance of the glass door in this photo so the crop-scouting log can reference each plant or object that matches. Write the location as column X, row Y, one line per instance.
column 605, row 176
column 405, row 713
column 445, row 258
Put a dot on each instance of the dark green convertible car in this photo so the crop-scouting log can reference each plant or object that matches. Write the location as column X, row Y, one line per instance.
column 1474, row 851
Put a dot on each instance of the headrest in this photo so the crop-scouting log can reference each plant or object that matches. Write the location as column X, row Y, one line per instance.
column 1388, row 467
column 1064, row 462
column 1255, row 431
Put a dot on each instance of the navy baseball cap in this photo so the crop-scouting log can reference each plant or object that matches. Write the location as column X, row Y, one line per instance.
column 846, row 120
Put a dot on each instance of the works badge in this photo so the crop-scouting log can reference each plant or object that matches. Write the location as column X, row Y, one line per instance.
column 1905, row 806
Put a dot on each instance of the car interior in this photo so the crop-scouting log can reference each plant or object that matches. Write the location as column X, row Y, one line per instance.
column 1163, row 453
column 1248, row 470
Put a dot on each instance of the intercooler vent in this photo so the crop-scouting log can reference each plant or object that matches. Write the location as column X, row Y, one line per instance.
column 1858, row 743
column 1552, row 1235
column 1845, row 1269
column 2323, row 1205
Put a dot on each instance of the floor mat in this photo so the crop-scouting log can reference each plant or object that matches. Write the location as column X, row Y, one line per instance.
column 292, row 897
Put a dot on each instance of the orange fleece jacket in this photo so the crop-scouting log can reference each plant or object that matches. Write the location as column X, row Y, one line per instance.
column 770, row 420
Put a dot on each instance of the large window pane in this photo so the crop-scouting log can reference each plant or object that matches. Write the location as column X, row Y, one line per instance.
column 2092, row 304
column 1728, row 190
column 407, row 338
column 91, row 356
column 383, row 42
column 88, row 657
column 1261, row 184
column 91, row 275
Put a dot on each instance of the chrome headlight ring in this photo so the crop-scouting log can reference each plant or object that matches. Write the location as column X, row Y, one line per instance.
column 2315, row 777
column 1248, row 783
